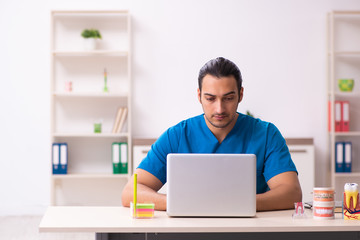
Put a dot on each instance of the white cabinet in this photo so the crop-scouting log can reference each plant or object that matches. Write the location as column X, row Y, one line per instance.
column 343, row 63
column 140, row 150
column 139, row 153
column 88, row 87
column 303, row 155
column 141, row 147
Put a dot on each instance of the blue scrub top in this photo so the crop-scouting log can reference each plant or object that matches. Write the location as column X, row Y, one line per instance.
column 249, row 135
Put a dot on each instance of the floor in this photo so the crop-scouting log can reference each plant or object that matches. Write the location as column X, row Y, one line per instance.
column 26, row 227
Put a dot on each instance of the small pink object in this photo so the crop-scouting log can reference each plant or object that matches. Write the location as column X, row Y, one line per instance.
column 68, row 86
column 299, row 211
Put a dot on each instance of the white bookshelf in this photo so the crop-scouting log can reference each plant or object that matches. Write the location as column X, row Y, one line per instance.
column 343, row 62
column 90, row 179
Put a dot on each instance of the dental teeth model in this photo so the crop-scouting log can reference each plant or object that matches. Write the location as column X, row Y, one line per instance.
column 351, row 209
column 323, row 203
column 351, row 191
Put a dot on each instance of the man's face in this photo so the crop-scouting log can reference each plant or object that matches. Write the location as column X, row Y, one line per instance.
column 219, row 98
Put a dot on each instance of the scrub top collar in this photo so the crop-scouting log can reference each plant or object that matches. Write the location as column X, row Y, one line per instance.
column 212, row 137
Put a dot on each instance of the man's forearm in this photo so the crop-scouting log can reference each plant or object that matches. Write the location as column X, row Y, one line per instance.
column 281, row 197
column 144, row 195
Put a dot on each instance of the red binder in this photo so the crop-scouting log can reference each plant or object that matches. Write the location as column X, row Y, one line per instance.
column 338, row 116
column 329, row 116
column 345, row 110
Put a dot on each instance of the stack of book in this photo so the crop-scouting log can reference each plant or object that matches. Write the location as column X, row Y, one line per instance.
column 120, row 120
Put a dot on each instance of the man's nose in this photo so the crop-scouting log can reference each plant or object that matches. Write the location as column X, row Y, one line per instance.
column 219, row 106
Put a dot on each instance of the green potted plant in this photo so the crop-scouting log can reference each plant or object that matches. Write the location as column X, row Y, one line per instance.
column 249, row 113
column 90, row 37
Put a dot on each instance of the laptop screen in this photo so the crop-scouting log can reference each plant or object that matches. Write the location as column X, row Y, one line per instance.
column 211, row 185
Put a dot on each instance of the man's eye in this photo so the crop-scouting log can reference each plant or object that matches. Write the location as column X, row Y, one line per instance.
column 229, row 98
column 210, row 99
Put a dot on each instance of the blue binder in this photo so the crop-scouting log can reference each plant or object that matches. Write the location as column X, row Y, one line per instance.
column 339, row 157
column 347, row 156
column 63, row 158
column 59, row 158
column 55, row 158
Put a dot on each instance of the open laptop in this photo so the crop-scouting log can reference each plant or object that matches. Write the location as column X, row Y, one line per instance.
column 211, row 185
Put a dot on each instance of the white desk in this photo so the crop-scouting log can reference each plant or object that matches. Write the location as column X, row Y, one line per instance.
column 117, row 220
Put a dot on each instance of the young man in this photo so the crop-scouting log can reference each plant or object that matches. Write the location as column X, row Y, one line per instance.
column 221, row 129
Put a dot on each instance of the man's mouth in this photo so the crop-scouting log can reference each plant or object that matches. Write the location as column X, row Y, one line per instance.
column 219, row 117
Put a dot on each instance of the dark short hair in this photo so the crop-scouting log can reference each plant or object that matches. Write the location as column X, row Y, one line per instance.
column 220, row 67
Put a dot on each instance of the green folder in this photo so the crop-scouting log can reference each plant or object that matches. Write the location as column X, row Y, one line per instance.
column 120, row 157
column 115, row 155
column 123, row 157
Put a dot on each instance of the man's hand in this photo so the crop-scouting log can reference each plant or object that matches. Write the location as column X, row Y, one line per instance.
column 147, row 187
column 284, row 191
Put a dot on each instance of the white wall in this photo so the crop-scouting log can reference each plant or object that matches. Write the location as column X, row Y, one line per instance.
column 279, row 46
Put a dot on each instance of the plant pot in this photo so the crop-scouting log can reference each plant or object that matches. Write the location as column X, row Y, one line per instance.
column 346, row 85
column 90, row 44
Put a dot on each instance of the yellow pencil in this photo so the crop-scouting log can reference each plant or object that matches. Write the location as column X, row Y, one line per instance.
column 135, row 194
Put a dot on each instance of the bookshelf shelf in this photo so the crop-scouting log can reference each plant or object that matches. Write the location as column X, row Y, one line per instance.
column 91, row 135
column 91, row 13
column 347, row 175
column 89, row 95
column 110, row 53
column 347, row 94
column 347, row 134
column 79, row 105
column 347, row 54
column 90, row 176
column 343, row 60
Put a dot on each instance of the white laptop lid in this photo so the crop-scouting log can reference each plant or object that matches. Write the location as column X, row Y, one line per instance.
column 211, row 185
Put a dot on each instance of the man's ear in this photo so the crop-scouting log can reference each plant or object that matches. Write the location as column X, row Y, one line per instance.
column 241, row 94
column 199, row 94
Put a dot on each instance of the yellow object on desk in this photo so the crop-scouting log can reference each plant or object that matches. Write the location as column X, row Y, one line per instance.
column 140, row 210
column 135, row 195
column 143, row 210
